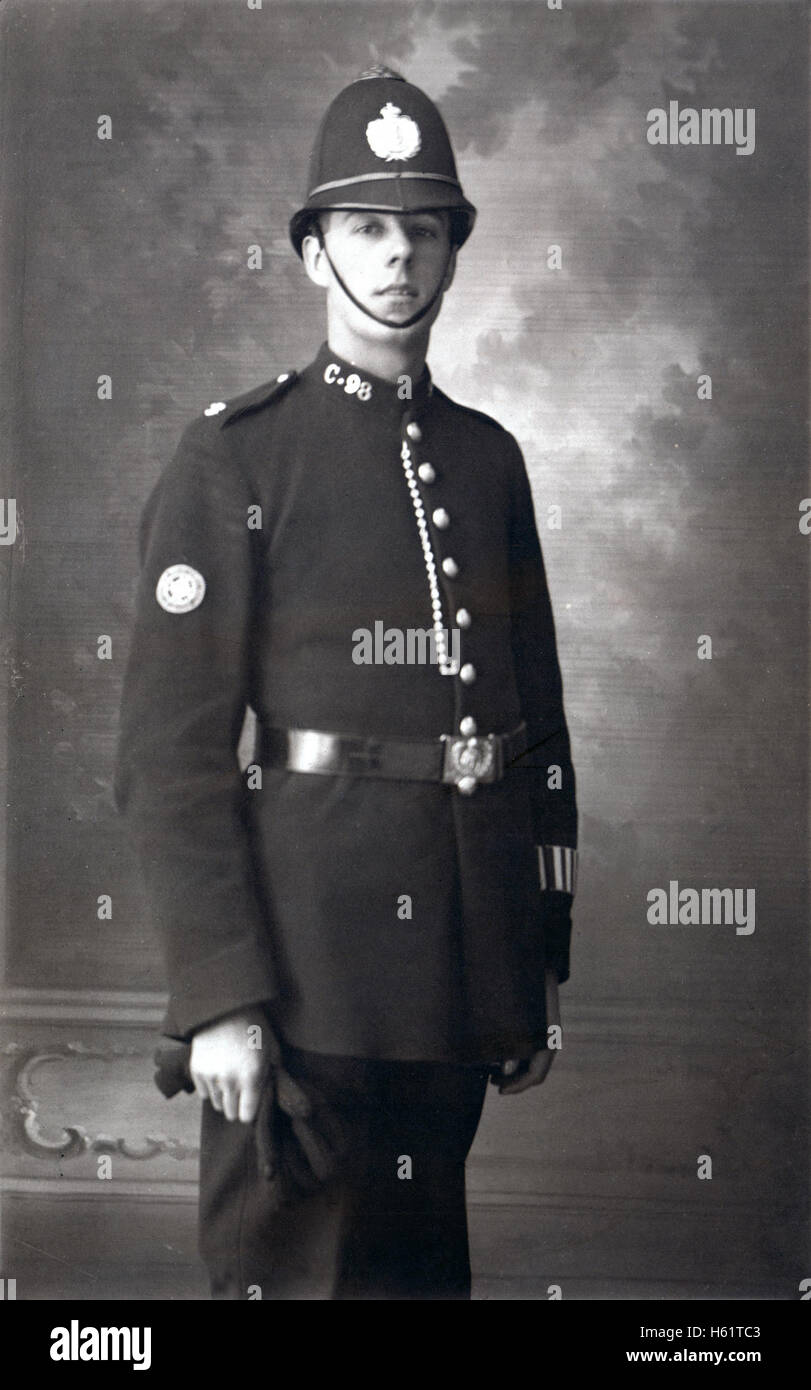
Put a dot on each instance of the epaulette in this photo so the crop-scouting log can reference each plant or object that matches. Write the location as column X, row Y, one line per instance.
column 251, row 400
column 468, row 410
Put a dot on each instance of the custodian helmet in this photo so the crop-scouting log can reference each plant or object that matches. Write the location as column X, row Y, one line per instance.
column 383, row 145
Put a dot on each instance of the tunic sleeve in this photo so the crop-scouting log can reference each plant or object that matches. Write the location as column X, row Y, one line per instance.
column 547, row 762
column 177, row 780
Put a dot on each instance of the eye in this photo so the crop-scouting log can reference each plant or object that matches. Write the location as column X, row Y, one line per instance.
column 426, row 231
column 368, row 227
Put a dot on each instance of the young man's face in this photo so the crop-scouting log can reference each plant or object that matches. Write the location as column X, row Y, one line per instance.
column 392, row 262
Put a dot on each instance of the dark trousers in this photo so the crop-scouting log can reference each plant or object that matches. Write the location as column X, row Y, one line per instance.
column 369, row 1233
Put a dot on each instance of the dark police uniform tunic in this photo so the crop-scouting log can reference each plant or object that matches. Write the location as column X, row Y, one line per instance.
column 289, row 892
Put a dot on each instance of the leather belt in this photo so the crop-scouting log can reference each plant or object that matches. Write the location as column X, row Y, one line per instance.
column 463, row 762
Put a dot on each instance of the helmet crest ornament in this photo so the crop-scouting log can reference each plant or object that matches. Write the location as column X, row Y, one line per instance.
column 393, row 135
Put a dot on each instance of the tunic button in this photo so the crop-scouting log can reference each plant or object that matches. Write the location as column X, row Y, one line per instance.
column 467, row 785
column 441, row 519
column 468, row 673
column 414, row 432
column 427, row 473
column 450, row 567
column 463, row 618
column 284, row 377
column 468, row 726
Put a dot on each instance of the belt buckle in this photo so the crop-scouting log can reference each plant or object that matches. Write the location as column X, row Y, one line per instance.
column 471, row 760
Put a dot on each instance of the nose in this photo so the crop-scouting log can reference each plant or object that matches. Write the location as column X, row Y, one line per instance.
column 400, row 242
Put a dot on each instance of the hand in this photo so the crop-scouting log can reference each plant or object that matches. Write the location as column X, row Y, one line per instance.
column 227, row 1068
column 537, row 1069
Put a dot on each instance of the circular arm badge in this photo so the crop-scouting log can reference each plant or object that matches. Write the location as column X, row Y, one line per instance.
column 180, row 589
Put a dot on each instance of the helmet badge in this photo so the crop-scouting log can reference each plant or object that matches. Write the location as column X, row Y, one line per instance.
column 393, row 135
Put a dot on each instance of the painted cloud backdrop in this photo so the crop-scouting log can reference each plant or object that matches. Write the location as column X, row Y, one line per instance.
column 679, row 515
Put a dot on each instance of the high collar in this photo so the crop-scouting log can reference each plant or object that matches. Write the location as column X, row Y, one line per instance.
column 399, row 401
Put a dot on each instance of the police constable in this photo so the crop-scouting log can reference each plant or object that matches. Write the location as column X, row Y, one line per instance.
column 384, row 895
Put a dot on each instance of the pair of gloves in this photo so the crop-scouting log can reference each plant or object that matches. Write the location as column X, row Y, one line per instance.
column 299, row 1138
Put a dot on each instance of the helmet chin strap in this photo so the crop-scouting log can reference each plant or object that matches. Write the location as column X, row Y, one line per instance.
column 378, row 318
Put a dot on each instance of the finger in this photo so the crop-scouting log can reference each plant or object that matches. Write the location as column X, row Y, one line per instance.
column 535, row 1074
column 514, row 1088
column 513, row 1071
column 249, row 1100
column 208, row 1088
column 292, row 1099
column 200, row 1087
column 230, row 1098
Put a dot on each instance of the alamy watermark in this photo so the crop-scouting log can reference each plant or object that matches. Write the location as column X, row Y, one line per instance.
column 672, row 906
column 709, row 125
column 397, row 646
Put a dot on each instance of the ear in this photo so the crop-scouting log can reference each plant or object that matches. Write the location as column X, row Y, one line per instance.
column 315, row 262
column 451, row 271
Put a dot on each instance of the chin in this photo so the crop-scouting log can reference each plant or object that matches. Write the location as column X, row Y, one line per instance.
column 382, row 332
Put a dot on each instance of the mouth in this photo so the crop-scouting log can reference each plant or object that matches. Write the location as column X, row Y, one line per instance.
column 400, row 291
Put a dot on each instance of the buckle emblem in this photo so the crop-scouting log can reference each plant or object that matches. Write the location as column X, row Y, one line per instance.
column 471, row 758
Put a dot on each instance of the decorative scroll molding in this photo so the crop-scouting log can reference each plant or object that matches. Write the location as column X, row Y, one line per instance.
column 36, row 1103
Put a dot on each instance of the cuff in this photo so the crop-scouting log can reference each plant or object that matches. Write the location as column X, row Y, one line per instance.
column 241, row 977
column 557, row 866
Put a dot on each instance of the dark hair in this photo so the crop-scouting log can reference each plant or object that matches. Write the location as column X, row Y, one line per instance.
column 313, row 228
